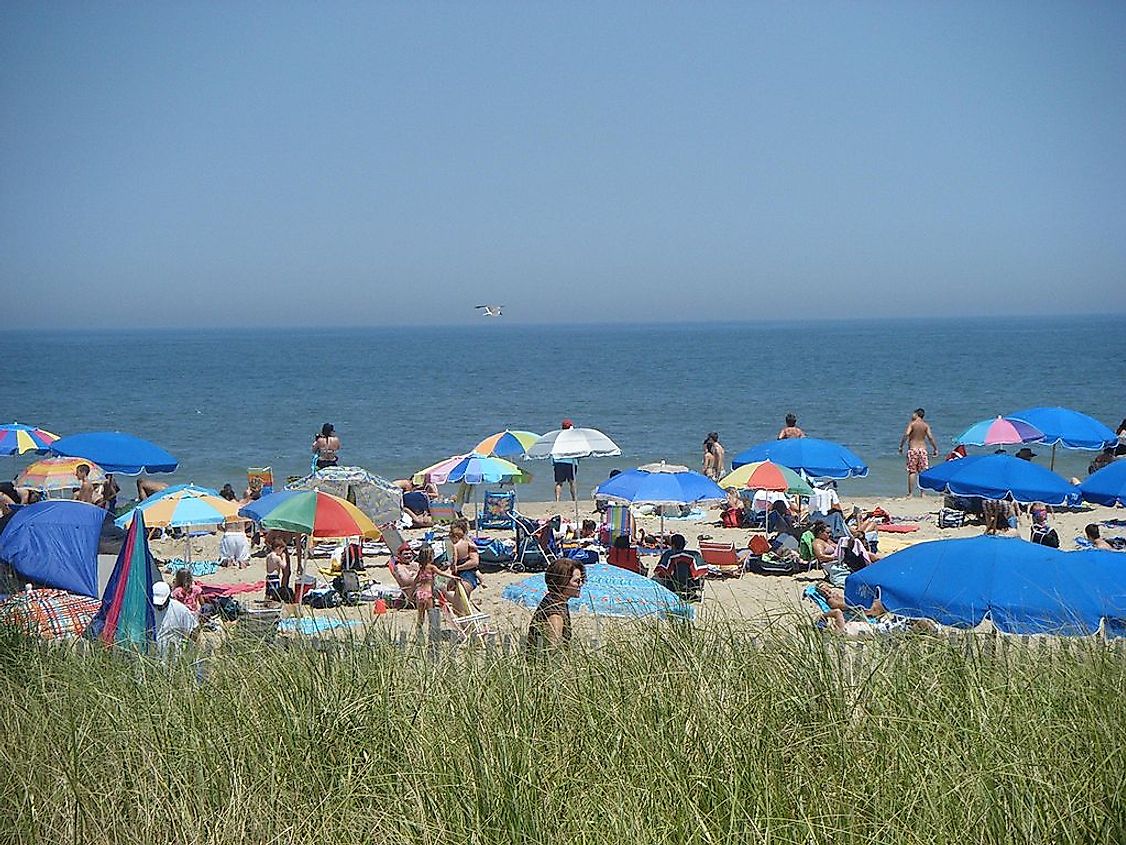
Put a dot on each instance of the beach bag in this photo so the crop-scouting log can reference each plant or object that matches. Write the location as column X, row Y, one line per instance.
column 950, row 518
column 323, row 599
column 583, row 556
column 227, row 608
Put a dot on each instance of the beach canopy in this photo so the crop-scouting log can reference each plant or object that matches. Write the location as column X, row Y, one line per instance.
column 1000, row 431
column 767, row 475
column 608, row 591
column 186, row 506
column 816, row 458
column 1024, row 588
column 16, row 439
column 377, row 497
column 1067, row 428
column 55, row 543
column 572, row 444
column 506, row 444
column 116, row 452
column 311, row 512
column 660, row 485
column 49, row 475
column 127, row 616
column 1107, row 486
column 999, row 476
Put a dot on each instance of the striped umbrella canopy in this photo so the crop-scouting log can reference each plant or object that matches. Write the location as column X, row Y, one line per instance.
column 15, row 439
column 187, row 506
column 311, row 512
column 53, row 474
column 506, row 444
column 50, row 614
column 472, row 469
column 767, row 475
column 1002, row 431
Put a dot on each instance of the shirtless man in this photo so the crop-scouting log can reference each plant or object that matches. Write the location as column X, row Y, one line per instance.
column 916, row 436
column 85, row 491
column 791, row 430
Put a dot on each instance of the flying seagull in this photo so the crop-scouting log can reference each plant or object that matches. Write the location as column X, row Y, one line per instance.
column 490, row 310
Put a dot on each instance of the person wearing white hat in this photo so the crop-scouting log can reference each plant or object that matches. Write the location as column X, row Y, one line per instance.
column 175, row 622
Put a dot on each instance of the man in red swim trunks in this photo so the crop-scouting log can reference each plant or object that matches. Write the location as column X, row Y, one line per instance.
column 916, row 436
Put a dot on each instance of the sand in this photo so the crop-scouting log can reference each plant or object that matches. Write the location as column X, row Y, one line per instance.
column 751, row 600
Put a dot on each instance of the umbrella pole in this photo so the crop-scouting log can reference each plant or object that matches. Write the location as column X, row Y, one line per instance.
column 1053, row 457
column 576, row 497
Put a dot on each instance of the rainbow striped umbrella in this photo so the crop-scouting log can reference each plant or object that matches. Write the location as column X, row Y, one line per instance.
column 1002, row 431
column 127, row 616
column 15, row 439
column 310, row 512
column 51, row 474
column 186, row 506
column 506, row 444
column 767, row 475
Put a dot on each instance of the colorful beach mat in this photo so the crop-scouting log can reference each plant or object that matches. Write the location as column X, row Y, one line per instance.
column 197, row 567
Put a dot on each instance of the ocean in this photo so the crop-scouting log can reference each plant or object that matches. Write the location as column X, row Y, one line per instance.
column 402, row 398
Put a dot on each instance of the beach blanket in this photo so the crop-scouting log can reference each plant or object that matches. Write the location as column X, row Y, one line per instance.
column 310, row 625
column 197, row 567
column 213, row 591
column 897, row 527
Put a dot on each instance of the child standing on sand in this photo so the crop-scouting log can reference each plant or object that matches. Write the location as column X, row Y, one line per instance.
column 424, row 583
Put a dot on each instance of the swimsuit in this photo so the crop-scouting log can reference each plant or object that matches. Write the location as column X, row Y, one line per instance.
column 917, row 460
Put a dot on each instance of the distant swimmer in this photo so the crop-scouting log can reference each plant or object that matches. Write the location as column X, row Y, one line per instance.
column 490, row 310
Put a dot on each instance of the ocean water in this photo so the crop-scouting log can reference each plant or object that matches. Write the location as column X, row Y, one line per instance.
column 402, row 398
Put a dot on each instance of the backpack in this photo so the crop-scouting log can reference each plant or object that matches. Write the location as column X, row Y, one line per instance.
column 1045, row 536
column 347, row 584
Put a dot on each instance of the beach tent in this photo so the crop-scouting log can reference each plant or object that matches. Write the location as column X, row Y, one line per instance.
column 377, row 497
column 55, row 543
column 127, row 616
column 1024, row 588
column 117, row 452
column 816, row 458
column 999, row 476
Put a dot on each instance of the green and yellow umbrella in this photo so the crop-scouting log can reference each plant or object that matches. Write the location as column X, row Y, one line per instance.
column 310, row 512
column 767, row 475
column 506, row 444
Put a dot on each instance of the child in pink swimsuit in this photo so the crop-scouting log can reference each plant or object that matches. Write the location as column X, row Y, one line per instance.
column 424, row 583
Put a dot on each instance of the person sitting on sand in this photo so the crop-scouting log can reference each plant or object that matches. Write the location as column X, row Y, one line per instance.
column 175, row 623
column 234, row 548
column 791, row 429
column 416, row 505
column 551, row 622
column 186, row 591
column 1000, row 515
column 1095, row 538
column 1040, row 532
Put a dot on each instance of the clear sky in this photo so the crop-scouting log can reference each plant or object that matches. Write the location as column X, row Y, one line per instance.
column 268, row 163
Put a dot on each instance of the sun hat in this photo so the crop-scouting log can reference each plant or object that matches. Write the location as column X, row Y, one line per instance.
column 161, row 592
column 1026, row 453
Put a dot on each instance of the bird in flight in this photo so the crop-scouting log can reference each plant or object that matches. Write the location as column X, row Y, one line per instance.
column 490, row 310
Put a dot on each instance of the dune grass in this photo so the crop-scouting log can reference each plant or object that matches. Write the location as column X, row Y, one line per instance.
column 675, row 736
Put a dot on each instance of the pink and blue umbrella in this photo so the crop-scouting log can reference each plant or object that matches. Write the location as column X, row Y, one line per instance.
column 1002, row 431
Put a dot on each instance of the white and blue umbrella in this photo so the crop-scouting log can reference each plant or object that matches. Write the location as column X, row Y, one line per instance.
column 572, row 444
column 608, row 591
column 660, row 485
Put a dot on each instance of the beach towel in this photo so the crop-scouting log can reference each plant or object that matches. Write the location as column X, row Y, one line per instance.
column 310, row 625
column 196, row 567
column 897, row 527
column 214, row 591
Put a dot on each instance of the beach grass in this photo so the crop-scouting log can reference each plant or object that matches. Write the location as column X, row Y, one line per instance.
column 669, row 735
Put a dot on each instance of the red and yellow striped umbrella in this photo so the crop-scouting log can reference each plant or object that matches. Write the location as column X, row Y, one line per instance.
column 310, row 512
column 767, row 475
column 51, row 474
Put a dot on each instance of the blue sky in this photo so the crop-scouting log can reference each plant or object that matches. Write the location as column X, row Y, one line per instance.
column 207, row 164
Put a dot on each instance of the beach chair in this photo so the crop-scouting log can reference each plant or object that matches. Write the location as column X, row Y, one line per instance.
column 498, row 507
column 625, row 555
column 684, row 574
column 617, row 521
column 457, row 608
column 444, row 513
column 265, row 475
column 535, row 543
column 721, row 558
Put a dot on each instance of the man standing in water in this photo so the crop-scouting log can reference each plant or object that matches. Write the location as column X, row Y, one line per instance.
column 916, row 436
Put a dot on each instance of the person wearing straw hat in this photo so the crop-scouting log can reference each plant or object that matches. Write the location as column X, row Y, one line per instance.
column 1026, row 454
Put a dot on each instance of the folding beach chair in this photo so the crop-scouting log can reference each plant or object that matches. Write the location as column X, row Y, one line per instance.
column 684, row 574
column 265, row 475
column 467, row 619
column 721, row 558
column 617, row 521
column 535, row 543
column 497, row 509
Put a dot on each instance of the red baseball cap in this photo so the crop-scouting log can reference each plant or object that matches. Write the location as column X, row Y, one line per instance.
column 567, row 424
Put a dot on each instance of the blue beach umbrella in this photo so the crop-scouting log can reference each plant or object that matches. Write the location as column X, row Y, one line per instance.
column 608, row 591
column 1024, row 588
column 1067, row 428
column 999, row 477
column 1107, row 486
column 116, row 452
column 816, row 458
column 660, row 485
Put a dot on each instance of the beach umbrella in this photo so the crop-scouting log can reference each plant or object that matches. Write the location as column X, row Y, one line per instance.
column 1107, row 486
column 1001, row 431
column 472, row 469
column 1067, row 428
column 16, row 439
column 660, row 485
column 374, row 495
column 767, row 475
column 999, row 476
column 816, row 458
column 506, row 444
column 608, row 591
column 182, row 508
column 55, row 544
column 49, row 475
column 127, row 616
column 573, row 444
column 310, row 512
column 116, row 452
column 49, row 614
column 1024, row 588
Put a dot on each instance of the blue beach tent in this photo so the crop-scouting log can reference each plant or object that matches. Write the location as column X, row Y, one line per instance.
column 116, row 452
column 1000, row 476
column 55, row 543
column 1022, row 587
column 816, row 458
column 1107, row 486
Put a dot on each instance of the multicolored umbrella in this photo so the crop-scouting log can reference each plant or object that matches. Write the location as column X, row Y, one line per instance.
column 187, row 506
column 472, row 469
column 127, row 616
column 53, row 474
column 16, row 439
column 374, row 495
column 767, row 475
column 1002, row 431
column 50, row 614
column 608, row 591
column 506, row 444
column 310, row 512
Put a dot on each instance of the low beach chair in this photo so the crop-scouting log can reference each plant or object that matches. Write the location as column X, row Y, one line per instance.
column 444, row 513
column 684, row 574
column 466, row 618
column 536, row 546
column 497, row 509
column 617, row 521
column 264, row 475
